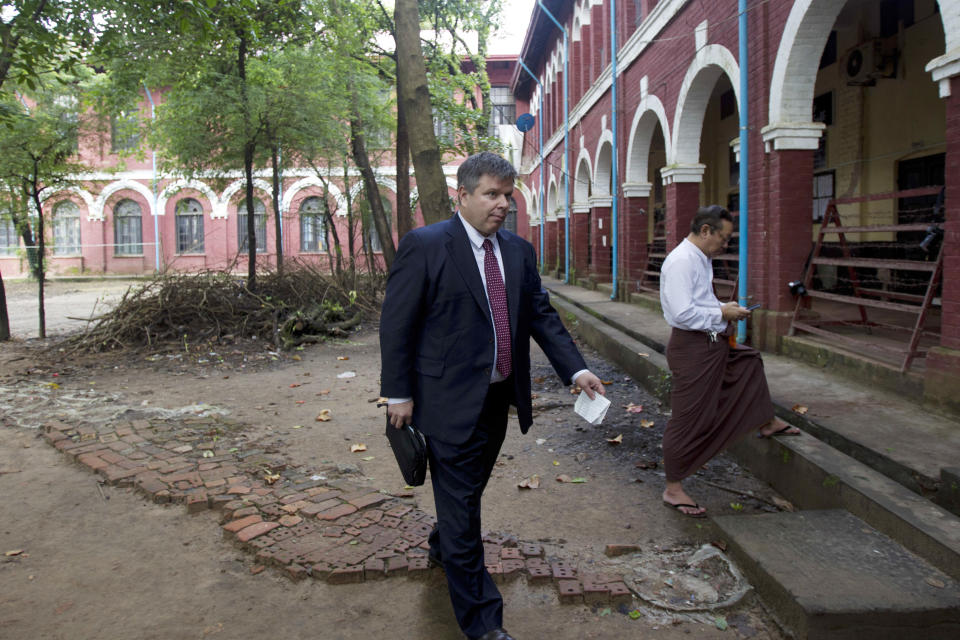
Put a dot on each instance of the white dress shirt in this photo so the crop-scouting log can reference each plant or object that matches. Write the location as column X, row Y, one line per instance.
column 686, row 290
column 476, row 243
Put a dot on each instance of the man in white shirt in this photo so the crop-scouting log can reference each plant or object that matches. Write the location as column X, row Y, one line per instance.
column 719, row 392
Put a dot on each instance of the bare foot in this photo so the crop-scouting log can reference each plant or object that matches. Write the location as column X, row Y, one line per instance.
column 674, row 495
column 778, row 427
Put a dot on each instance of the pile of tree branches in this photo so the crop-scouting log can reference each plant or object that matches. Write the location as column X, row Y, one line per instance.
column 290, row 308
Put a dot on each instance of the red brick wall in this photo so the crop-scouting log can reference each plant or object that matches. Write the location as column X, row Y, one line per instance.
column 951, row 266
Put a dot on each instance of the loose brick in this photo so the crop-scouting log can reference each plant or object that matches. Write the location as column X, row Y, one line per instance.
column 512, row 567
column 297, row 571
column 294, row 497
column 613, row 550
column 244, row 512
column 346, row 575
column 511, row 553
column 562, row 571
column 368, row 500
column 197, row 502
column 93, row 461
column 619, row 593
column 539, row 573
column 242, row 523
column 238, row 490
column 418, row 566
column 255, row 530
column 399, row 511
column 531, row 550
column 337, row 512
column 290, row 521
column 374, row 569
column 570, row 591
column 397, row 564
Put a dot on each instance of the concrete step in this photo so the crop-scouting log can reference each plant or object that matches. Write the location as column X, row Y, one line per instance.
column 827, row 575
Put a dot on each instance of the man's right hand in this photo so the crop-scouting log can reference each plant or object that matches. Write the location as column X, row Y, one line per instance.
column 400, row 413
column 733, row 311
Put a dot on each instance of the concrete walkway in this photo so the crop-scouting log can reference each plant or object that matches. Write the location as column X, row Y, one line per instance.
column 881, row 429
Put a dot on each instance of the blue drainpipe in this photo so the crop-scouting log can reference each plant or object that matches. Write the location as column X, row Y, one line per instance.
column 614, row 188
column 543, row 206
column 566, row 142
column 744, row 172
column 156, row 214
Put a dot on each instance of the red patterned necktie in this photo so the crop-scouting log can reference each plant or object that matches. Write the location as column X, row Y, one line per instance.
column 497, row 295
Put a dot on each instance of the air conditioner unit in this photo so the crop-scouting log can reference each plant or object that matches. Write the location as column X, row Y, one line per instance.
column 870, row 61
column 861, row 63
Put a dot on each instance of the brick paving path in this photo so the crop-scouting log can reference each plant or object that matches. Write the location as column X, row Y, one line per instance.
column 288, row 518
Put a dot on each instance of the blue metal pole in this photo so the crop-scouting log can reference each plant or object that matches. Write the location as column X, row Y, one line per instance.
column 156, row 214
column 543, row 206
column 615, row 160
column 566, row 142
column 744, row 171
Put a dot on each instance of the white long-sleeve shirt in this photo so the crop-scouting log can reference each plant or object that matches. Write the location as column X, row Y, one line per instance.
column 686, row 290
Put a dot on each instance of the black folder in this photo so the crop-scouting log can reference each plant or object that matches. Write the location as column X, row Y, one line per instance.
column 410, row 449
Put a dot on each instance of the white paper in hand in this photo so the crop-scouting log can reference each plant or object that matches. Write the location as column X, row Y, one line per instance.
column 594, row 410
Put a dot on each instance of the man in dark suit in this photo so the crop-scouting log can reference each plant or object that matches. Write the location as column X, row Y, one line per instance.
column 463, row 300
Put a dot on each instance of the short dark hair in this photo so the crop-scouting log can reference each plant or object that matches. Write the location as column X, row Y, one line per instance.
column 712, row 216
column 481, row 164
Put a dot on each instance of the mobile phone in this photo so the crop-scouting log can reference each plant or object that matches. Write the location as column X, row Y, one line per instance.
column 754, row 306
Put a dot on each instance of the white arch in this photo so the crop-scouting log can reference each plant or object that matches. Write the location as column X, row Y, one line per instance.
column 120, row 185
column 305, row 183
column 222, row 212
column 85, row 195
column 583, row 179
column 179, row 185
column 552, row 198
column 710, row 62
column 524, row 192
column 603, row 164
column 649, row 113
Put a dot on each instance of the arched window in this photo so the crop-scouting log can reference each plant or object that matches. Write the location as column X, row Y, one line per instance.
column 313, row 236
column 189, row 226
column 9, row 241
column 66, row 229
column 372, row 236
column 259, row 223
column 127, row 228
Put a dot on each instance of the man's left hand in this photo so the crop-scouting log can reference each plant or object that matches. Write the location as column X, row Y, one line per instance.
column 591, row 384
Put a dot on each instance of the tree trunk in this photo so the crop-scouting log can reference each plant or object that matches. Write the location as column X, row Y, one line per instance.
column 278, row 221
column 41, row 269
column 328, row 223
column 351, row 228
column 4, row 316
column 249, row 148
column 415, row 96
column 404, row 214
column 360, row 158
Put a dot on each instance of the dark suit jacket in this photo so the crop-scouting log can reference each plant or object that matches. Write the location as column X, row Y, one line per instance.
column 436, row 335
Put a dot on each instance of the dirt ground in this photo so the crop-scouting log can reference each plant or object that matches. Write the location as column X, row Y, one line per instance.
column 85, row 560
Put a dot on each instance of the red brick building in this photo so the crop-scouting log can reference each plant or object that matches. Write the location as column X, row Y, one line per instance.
column 847, row 101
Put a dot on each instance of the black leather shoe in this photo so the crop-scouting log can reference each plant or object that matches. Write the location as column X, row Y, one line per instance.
column 434, row 560
column 496, row 634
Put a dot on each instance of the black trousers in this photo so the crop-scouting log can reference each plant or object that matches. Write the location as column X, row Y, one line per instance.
column 459, row 474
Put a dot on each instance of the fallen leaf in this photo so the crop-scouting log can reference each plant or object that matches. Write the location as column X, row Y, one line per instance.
column 533, row 482
column 354, row 448
column 605, row 612
column 783, row 504
column 378, row 400
column 933, row 582
column 579, row 481
column 324, row 416
column 323, row 392
column 343, row 357
column 721, row 623
column 617, row 440
column 607, row 381
column 541, row 440
column 367, row 458
column 298, row 426
column 270, row 478
column 300, row 402
column 347, row 374
column 575, row 390
column 14, row 552
column 556, row 463
column 209, row 454
column 719, row 544
column 635, row 614
column 642, row 354
column 634, row 408
column 296, row 357
column 799, row 408
column 564, row 478
column 646, row 424
column 294, row 385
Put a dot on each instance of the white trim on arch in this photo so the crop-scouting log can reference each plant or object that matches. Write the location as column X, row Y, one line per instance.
column 179, row 185
column 650, row 112
column 710, row 62
column 86, row 196
column 120, row 185
column 602, row 171
column 582, row 193
column 305, row 183
column 228, row 193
